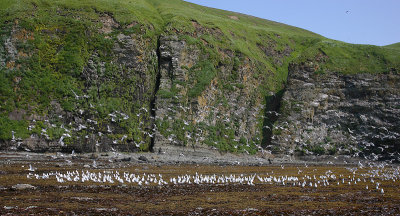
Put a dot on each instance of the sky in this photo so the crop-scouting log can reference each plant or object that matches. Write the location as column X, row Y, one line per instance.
column 375, row 22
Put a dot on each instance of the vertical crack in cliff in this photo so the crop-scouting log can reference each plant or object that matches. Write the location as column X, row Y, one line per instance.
column 271, row 115
column 156, row 88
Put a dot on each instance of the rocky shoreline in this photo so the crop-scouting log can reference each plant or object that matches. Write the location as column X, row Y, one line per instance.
column 116, row 159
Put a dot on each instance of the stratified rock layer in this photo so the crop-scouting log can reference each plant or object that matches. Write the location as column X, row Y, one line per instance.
column 333, row 113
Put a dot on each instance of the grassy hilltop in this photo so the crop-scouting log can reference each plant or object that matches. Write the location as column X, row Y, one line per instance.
column 55, row 39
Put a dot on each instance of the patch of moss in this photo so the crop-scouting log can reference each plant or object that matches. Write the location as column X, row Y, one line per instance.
column 203, row 72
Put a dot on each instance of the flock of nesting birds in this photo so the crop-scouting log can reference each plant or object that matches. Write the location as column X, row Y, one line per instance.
column 371, row 177
column 143, row 115
column 195, row 135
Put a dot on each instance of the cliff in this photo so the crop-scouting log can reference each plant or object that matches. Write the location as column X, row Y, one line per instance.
column 333, row 113
column 173, row 76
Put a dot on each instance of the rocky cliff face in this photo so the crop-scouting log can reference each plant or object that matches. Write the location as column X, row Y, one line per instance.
column 332, row 113
column 135, row 94
column 103, row 104
column 200, row 115
column 102, row 79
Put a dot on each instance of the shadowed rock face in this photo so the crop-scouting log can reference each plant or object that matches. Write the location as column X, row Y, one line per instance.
column 335, row 113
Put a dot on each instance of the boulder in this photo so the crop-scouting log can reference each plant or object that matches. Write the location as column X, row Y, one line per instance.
column 23, row 187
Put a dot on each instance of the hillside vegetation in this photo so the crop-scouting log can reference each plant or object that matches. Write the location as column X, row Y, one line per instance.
column 393, row 46
column 45, row 47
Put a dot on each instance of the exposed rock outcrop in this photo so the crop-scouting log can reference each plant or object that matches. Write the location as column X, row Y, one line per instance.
column 332, row 113
column 117, row 84
column 213, row 118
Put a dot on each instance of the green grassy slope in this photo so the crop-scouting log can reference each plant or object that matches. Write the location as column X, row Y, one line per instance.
column 241, row 32
column 61, row 35
column 352, row 58
column 393, row 46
